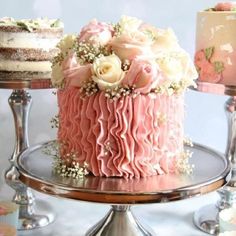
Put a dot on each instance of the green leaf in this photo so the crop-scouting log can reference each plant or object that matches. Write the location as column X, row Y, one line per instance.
column 56, row 24
column 209, row 52
column 24, row 25
column 219, row 66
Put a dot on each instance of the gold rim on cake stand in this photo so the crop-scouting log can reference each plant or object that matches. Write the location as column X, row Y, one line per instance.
column 207, row 217
column 211, row 172
column 32, row 213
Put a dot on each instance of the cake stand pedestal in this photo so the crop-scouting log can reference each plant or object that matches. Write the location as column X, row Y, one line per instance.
column 211, row 172
column 207, row 218
column 32, row 214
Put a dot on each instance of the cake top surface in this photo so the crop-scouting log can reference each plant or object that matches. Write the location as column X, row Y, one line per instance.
column 223, row 6
column 31, row 24
column 129, row 56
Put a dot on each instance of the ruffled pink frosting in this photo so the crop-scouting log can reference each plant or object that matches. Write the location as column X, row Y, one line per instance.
column 124, row 138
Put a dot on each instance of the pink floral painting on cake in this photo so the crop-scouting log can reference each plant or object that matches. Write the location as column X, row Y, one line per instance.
column 208, row 69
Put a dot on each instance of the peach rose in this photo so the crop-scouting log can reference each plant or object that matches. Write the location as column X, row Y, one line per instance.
column 143, row 75
column 95, row 32
column 132, row 45
column 75, row 74
column 225, row 6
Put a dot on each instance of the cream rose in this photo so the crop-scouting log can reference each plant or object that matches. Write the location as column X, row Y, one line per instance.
column 164, row 40
column 66, row 43
column 177, row 66
column 129, row 24
column 107, row 72
column 57, row 75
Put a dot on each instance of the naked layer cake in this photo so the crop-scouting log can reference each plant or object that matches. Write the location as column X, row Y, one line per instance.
column 215, row 56
column 27, row 47
column 120, row 97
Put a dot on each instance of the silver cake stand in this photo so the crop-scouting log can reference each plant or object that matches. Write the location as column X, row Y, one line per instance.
column 207, row 218
column 32, row 214
column 211, row 172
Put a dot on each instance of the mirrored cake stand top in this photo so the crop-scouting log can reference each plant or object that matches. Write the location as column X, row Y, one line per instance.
column 211, row 171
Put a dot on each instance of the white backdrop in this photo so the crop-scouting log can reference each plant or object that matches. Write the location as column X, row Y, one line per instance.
column 205, row 118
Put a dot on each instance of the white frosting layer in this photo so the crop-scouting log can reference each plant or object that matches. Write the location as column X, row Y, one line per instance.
column 32, row 66
column 26, row 40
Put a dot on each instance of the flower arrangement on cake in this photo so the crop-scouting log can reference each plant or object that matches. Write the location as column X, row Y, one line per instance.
column 120, row 96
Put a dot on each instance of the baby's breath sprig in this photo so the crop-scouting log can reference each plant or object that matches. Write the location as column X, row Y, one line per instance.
column 55, row 122
column 118, row 30
column 58, row 59
column 125, row 65
column 87, row 53
column 89, row 88
column 66, row 166
column 183, row 165
column 117, row 92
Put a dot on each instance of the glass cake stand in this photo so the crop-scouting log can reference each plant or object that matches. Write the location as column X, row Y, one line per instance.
column 207, row 218
column 32, row 214
column 211, row 172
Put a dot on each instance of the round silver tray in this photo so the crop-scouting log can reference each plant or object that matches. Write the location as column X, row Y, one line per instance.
column 211, row 171
column 25, row 84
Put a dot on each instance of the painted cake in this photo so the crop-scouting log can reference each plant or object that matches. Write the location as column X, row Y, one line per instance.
column 215, row 57
column 121, row 100
column 7, row 230
column 27, row 47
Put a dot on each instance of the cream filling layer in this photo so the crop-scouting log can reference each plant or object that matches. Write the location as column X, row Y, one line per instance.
column 32, row 66
column 26, row 40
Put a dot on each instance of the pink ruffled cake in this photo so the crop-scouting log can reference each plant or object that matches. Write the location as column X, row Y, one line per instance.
column 120, row 96
column 215, row 56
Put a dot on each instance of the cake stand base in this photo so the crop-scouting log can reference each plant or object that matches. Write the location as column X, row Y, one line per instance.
column 110, row 225
column 206, row 219
column 29, row 220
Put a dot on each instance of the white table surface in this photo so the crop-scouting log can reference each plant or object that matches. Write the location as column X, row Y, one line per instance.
column 74, row 218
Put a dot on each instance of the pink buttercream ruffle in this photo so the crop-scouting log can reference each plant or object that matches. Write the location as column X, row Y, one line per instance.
column 126, row 138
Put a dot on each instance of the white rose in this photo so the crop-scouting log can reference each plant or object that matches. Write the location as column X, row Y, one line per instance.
column 129, row 24
column 57, row 75
column 66, row 43
column 164, row 40
column 177, row 66
column 107, row 72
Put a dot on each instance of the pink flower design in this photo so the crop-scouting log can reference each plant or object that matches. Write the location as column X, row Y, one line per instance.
column 200, row 59
column 208, row 73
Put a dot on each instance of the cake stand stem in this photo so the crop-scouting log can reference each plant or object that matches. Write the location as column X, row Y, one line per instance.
column 207, row 218
column 20, row 103
column 119, row 221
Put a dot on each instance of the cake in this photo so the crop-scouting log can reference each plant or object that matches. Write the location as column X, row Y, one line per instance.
column 7, row 230
column 215, row 56
column 121, row 100
column 27, row 47
column 9, row 213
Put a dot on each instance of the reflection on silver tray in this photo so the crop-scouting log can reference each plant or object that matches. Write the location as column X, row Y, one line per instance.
column 25, row 84
column 211, row 171
column 219, row 89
